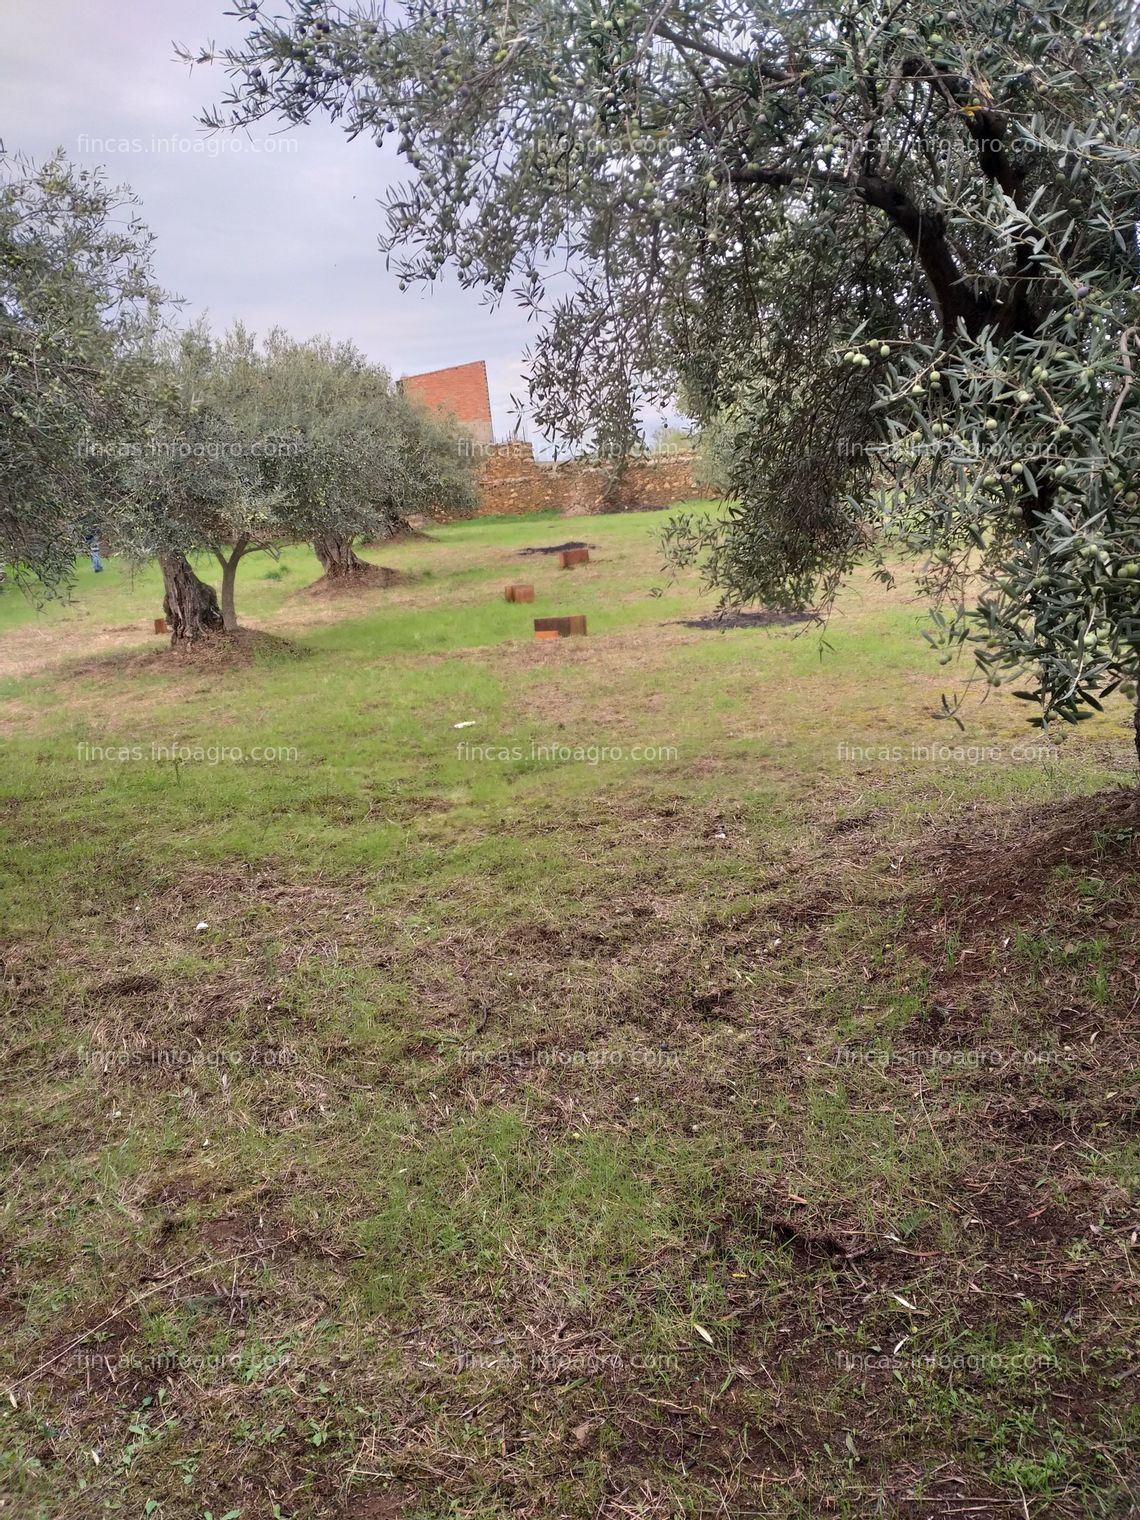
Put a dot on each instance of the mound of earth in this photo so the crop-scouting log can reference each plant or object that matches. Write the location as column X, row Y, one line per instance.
column 242, row 647
column 371, row 578
column 220, row 651
column 1001, row 862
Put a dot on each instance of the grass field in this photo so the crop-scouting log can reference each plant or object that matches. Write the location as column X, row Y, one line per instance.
column 703, row 1084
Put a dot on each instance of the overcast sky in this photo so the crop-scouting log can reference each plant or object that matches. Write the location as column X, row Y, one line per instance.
column 278, row 227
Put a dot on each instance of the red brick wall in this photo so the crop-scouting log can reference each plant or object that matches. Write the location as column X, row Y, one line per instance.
column 511, row 480
column 460, row 391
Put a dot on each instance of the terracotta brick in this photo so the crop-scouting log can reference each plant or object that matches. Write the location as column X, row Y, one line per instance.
column 520, row 593
column 571, row 557
column 160, row 625
column 561, row 627
column 547, row 633
column 460, row 390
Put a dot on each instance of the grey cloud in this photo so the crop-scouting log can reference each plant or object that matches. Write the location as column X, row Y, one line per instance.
column 278, row 229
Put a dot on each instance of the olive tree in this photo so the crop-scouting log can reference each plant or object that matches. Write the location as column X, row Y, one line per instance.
column 253, row 444
column 365, row 459
column 78, row 306
column 203, row 476
column 676, row 159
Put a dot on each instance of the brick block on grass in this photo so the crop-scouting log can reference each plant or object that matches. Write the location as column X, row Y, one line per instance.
column 160, row 625
column 571, row 557
column 562, row 627
column 519, row 593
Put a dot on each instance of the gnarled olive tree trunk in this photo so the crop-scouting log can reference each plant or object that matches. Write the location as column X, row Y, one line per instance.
column 190, row 605
column 398, row 528
column 337, row 556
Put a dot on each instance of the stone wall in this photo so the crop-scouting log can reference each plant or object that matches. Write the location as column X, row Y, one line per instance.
column 511, row 481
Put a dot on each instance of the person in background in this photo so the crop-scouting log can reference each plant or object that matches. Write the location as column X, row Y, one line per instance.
column 92, row 542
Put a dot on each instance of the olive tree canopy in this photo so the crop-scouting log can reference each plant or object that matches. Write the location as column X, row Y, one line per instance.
column 254, row 443
column 78, row 307
column 942, row 201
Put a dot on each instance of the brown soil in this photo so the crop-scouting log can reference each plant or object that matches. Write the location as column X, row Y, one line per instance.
column 995, row 867
column 370, row 578
column 719, row 621
column 219, row 651
column 34, row 648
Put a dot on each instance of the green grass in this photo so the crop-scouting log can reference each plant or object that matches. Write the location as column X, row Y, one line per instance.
column 422, row 1123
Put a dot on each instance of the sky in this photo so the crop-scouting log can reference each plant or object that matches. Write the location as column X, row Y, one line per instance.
column 277, row 227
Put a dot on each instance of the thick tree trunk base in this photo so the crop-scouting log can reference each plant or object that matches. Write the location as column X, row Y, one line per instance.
column 346, row 571
column 367, row 578
column 338, row 558
column 191, row 606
